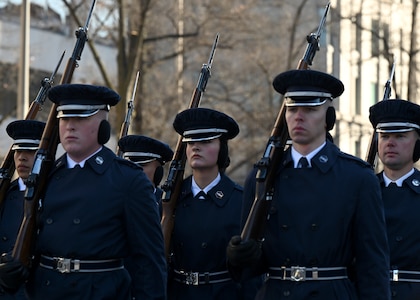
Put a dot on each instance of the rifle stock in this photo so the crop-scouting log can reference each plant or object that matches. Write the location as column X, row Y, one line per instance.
column 172, row 186
column 44, row 159
column 6, row 173
column 130, row 107
column 372, row 153
column 273, row 154
column 7, row 168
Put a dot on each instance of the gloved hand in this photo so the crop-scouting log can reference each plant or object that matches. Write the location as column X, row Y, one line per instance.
column 243, row 253
column 12, row 273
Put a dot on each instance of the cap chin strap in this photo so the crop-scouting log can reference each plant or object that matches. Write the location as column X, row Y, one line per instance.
column 23, row 147
column 142, row 162
column 396, row 127
column 290, row 102
column 191, row 135
column 26, row 141
column 25, row 144
column 151, row 156
column 82, row 107
column 79, row 111
column 208, row 138
column 308, row 94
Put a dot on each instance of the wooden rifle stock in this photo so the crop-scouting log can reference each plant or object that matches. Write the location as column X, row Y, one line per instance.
column 126, row 124
column 7, row 168
column 6, row 173
column 172, row 186
column 44, row 160
column 268, row 165
column 372, row 153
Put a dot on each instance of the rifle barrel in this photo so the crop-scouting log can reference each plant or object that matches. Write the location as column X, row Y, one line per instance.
column 127, row 120
column 268, row 165
column 44, row 159
column 7, row 168
column 172, row 186
column 372, row 152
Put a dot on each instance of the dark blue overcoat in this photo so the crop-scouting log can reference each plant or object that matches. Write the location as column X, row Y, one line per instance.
column 325, row 216
column 10, row 220
column 11, row 217
column 106, row 210
column 202, row 231
column 402, row 207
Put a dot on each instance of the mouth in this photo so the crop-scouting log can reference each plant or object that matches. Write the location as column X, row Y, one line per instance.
column 391, row 153
column 298, row 129
column 70, row 138
column 22, row 168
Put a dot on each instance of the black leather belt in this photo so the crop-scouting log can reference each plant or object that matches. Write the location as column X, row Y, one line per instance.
column 197, row 278
column 405, row 276
column 302, row 273
column 69, row 265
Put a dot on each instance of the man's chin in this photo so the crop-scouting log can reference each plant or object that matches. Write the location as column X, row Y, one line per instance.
column 301, row 140
column 71, row 148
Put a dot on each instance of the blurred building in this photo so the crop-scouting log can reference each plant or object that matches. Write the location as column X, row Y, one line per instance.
column 361, row 41
column 50, row 35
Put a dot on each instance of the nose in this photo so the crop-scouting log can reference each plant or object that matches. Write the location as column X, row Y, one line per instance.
column 195, row 146
column 70, row 124
column 299, row 113
column 390, row 142
column 21, row 156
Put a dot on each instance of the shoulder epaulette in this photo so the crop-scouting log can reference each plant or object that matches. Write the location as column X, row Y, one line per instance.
column 127, row 162
column 239, row 187
column 354, row 158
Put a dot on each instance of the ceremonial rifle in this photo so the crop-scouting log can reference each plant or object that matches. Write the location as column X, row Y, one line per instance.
column 371, row 156
column 270, row 162
column 7, row 168
column 127, row 120
column 44, row 159
column 172, row 186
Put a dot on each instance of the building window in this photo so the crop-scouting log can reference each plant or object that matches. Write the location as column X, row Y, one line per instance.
column 358, row 94
column 358, row 32
column 357, row 148
column 375, row 37
column 374, row 98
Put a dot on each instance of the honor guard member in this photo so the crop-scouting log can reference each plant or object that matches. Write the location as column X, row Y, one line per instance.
column 151, row 155
column 326, row 211
column 207, row 212
column 397, row 123
column 97, row 210
column 26, row 135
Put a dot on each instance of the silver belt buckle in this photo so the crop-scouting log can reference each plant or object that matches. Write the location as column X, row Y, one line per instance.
column 191, row 278
column 395, row 275
column 63, row 264
column 297, row 273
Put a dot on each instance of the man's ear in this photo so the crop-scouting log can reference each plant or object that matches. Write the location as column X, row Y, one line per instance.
column 104, row 132
column 330, row 118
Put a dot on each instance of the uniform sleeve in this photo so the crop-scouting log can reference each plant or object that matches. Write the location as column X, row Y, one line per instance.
column 372, row 254
column 149, row 275
column 248, row 196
